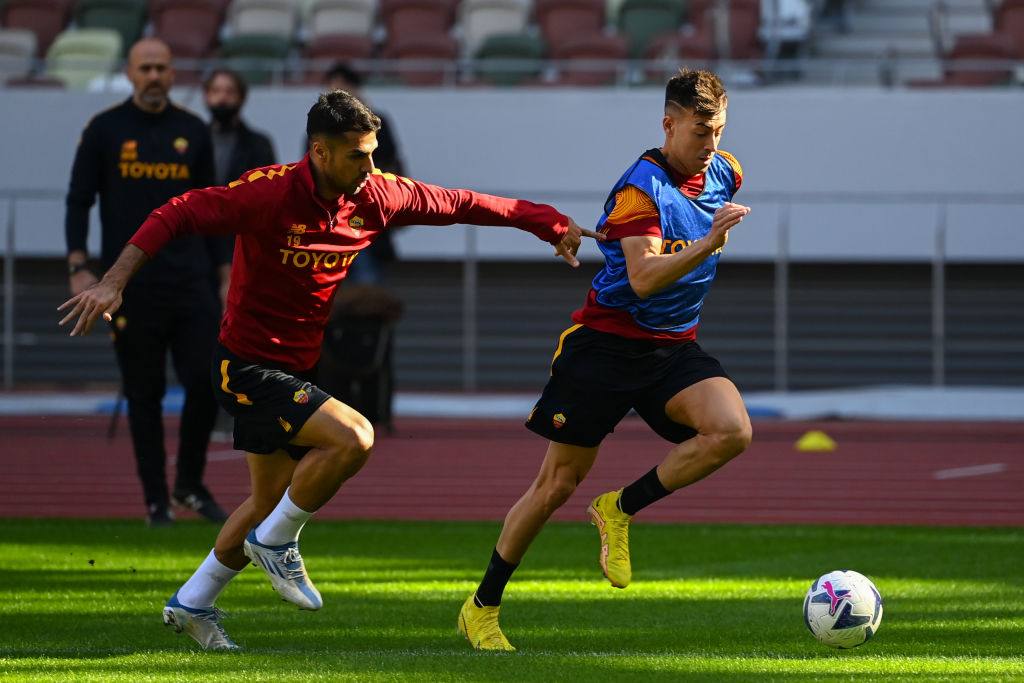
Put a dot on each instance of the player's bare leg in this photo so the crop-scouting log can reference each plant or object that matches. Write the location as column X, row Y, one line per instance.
column 341, row 441
column 714, row 408
column 192, row 609
column 564, row 467
column 269, row 475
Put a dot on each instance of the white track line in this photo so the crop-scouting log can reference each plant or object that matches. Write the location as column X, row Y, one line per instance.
column 972, row 471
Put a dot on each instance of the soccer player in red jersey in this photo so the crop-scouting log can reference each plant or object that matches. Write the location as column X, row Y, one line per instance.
column 634, row 347
column 298, row 228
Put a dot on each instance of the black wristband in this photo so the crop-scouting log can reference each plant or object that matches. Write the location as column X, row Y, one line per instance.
column 73, row 268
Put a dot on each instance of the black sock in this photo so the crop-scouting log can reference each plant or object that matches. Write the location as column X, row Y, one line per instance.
column 642, row 493
column 488, row 594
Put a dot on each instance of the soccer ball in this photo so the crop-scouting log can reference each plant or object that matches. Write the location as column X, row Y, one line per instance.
column 843, row 609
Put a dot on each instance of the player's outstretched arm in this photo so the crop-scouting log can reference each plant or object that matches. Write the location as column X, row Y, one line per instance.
column 103, row 298
column 570, row 243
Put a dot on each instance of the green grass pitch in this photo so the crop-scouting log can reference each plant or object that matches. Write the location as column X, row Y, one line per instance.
column 82, row 600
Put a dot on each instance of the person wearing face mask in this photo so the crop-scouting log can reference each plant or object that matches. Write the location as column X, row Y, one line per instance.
column 136, row 156
column 237, row 148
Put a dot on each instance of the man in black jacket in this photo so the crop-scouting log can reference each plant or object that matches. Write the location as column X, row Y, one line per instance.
column 136, row 156
column 237, row 148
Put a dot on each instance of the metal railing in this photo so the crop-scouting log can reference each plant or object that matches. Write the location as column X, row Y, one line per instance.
column 887, row 70
column 12, row 197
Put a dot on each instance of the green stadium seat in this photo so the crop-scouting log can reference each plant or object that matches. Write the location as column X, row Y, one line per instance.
column 510, row 59
column 641, row 21
column 77, row 56
column 127, row 17
column 480, row 19
column 258, row 57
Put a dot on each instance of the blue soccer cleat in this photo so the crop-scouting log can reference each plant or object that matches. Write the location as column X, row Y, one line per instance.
column 283, row 565
column 202, row 624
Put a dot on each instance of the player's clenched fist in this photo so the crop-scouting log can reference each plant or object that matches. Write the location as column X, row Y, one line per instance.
column 728, row 215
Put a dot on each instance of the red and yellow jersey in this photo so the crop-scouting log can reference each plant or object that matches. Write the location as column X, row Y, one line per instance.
column 293, row 248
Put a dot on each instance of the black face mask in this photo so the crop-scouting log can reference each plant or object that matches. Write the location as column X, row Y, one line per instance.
column 224, row 113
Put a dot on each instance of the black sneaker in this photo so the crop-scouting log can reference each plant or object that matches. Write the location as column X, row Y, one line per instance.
column 159, row 514
column 200, row 501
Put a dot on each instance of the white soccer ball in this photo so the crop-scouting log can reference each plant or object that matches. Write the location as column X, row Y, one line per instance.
column 843, row 609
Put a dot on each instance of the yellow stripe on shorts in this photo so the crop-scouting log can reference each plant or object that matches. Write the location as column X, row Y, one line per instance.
column 241, row 398
column 561, row 340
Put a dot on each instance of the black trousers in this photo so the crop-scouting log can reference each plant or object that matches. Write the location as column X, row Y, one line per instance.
column 151, row 322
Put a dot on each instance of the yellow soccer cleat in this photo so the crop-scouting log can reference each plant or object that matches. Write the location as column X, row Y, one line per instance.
column 613, row 525
column 480, row 626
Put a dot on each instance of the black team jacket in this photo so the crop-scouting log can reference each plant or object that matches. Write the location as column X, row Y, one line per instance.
column 136, row 161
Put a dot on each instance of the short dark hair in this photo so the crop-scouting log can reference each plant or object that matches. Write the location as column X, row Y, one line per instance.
column 239, row 79
column 342, row 71
column 701, row 91
column 338, row 112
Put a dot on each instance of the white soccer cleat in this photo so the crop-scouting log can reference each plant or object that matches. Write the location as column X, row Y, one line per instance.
column 283, row 565
column 202, row 624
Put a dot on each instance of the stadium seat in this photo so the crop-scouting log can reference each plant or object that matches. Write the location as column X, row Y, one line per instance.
column 426, row 59
column 966, row 65
column 562, row 19
column 189, row 27
column 45, row 18
column 340, row 48
column 744, row 30
column 727, row 30
column 330, row 49
column 1009, row 21
column 641, row 21
column 257, row 56
column 17, row 53
column 480, row 19
column 700, row 14
column 404, row 19
column 33, row 81
column 262, row 17
column 589, row 60
column 510, row 59
column 127, row 17
column 340, row 17
column 77, row 56
column 696, row 49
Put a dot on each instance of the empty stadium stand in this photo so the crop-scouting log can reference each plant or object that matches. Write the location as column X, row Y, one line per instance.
column 887, row 42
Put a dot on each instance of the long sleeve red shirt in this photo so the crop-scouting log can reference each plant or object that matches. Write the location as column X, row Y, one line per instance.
column 293, row 248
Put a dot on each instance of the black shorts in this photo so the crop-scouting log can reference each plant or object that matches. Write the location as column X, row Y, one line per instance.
column 269, row 405
column 597, row 378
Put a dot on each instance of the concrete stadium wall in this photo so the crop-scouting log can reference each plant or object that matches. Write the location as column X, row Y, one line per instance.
column 833, row 175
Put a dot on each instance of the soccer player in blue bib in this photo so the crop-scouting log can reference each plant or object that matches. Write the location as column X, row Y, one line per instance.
column 634, row 347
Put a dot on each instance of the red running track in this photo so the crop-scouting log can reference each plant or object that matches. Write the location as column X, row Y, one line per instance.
column 929, row 473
